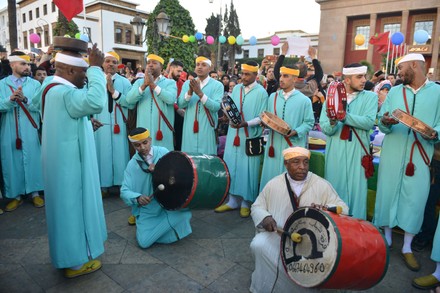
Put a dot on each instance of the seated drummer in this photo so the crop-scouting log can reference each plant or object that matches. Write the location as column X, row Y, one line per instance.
column 154, row 223
column 271, row 209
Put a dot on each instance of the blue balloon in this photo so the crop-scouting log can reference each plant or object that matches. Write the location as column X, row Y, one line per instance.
column 252, row 41
column 397, row 38
column 421, row 36
column 199, row 36
column 84, row 37
column 239, row 40
column 222, row 39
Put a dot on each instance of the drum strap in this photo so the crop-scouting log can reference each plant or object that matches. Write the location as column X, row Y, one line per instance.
column 116, row 128
column 367, row 159
column 141, row 165
column 410, row 169
column 43, row 97
column 271, row 148
column 28, row 115
column 293, row 198
column 196, row 121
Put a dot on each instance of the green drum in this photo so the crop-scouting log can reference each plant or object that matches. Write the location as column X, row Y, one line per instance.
column 194, row 181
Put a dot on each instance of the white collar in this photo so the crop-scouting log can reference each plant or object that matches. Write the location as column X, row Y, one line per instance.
column 64, row 81
column 204, row 82
column 288, row 94
column 415, row 91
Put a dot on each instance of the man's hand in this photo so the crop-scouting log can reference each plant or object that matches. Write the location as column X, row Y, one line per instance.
column 239, row 125
column 143, row 200
column 148, row 81
column 388, row 120
column 151, row 167
column 181, row 112
column 269, row 224
column 284, row 48
column 96, row 124
column 292, row 133
column 96, row 57
column 433, row 136
column 110, row 87
column 18, row 95
column 194, row 85
column 312, row 52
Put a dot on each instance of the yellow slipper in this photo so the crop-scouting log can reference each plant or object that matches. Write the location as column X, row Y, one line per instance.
column 87, row 268
column 132, row 220
column 13, row 205
column 245, row 212
column 38, row 202
column 426, row 282
column 411, row 261
column 223, row 208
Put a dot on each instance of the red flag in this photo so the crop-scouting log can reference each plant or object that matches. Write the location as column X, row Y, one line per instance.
column 69, row 8
column 381, row 41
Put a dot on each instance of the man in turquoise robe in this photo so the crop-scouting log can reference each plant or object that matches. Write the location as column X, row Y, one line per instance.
column 250, row 99
column 111, row 139
column 404, row 179
column 20, row 143
column 296, row 110
column 154, row 224
column 155, row 93
column 201, row 98
column 74, row 212
column 343, row 154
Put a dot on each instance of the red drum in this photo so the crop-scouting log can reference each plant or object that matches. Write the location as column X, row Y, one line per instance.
column 231, row 110
column 336, row 101
column 335, row 251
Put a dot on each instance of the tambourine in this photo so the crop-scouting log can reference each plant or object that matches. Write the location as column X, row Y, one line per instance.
column 413, row 123
column 231, row 110
column 336, row 101
column 275, row 123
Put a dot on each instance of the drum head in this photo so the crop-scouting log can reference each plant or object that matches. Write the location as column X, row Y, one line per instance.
column 312, row 261
column 176, row 173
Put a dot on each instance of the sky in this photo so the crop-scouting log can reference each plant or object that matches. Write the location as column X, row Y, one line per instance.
column 259, row 18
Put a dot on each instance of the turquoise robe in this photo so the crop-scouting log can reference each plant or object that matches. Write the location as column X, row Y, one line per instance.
column 147, row 112
column 297, row 111
column 435, row 253
column 112, row 148
column 401, row 199
column 245, row 170
column 74, row 212
column 21, row 168
column 343, row 167
column 204, row 141
column 154, row 224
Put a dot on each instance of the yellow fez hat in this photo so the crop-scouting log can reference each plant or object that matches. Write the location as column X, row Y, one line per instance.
column 112, row 54
column 155, row 57
column 248, row 67
column 19, row 58
column 291, row 71
column 140, row 136
column 294, row 152
column 203, row 59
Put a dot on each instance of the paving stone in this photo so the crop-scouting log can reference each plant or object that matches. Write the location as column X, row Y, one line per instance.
column 18, row 280
column 212, row 245
column 234, row 280
column 136, row 255
column 118, row 219
column 203, row 230
column 114, row 249
column 39, row 252
column 13, row 250
column 237, row 250
column 45, row 275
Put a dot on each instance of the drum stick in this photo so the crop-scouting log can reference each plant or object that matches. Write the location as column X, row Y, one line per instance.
column 158, row 189
column 335, row 209
column 295, row 237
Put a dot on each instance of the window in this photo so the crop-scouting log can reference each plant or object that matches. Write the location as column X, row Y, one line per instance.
column 365, row 31
column 37, row 12
column 25, row 41
column 392, row 28
column 118, row 35
column 245, row 54
column 24, row 17
column 276, row 51
column 30, row 15
column 128, row 35
column 426, row 26
column 54, row 8
column 260, row 53
column 45, row 9
column 137, row 40
column 46, row 36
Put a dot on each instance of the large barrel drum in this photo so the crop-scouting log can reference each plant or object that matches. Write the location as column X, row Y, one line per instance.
column 191, row 181
column 335, row 251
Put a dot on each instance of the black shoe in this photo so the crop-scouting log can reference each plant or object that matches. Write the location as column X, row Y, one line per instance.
column 419, row 244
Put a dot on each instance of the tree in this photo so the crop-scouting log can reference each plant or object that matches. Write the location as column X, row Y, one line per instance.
column 182, row 24
column 213, row 28
column 12, row 14
column 64, row 27
column 232, row 29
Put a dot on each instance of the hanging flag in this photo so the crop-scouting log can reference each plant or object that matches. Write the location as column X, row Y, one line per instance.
column 381, row 41
column 69, row 8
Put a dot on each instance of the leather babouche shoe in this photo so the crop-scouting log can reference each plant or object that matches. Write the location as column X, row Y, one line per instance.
column 223, row 208
column 245, row 212
column 38, row 202
column 87, row 268
column 13, row 205
column 426, row 282
column 132, row 220
column 411, row 261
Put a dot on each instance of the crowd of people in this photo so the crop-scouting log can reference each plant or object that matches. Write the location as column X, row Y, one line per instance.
column 104, row 126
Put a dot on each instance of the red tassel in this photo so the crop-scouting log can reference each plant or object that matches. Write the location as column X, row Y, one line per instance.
column 196, row 126
column 18, row 143
column 159, row 135
column 409, row 169
column 271, row 151
column 116, row 129
column 345, row 133
column 237, row 141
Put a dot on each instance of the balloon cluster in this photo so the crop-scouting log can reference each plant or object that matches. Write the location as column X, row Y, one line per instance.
column 397, row 38
column 239, row 40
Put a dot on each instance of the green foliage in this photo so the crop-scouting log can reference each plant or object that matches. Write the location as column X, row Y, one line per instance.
column 182, row 24
column 212, row 26
column 232, row 28
column 65, row 27
column 370, row 67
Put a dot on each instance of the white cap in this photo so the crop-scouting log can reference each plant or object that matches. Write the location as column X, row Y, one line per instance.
column 411, row 57
column 354, row 70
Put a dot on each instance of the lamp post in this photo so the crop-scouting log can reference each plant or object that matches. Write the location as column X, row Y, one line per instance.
column 161, row 26
column 219, row 33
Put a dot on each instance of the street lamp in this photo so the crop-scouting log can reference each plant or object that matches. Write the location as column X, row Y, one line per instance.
column 219, row 33
column 161, row 25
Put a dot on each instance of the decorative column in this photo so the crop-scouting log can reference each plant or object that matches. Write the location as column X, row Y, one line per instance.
column 373, row 20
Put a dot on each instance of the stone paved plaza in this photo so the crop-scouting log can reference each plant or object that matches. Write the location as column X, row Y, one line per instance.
column 215, row 258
